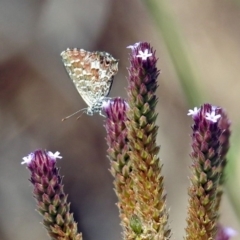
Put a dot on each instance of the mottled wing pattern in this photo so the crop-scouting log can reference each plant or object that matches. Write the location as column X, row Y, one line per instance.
column 91, row 72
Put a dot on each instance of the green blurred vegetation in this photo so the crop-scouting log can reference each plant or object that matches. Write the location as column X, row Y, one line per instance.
column 176, row 46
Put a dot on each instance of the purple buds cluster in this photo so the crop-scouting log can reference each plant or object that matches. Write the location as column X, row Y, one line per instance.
column 207, row 159
column 51, row 199
column 118, row 151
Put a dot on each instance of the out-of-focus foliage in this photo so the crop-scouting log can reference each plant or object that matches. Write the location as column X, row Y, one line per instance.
column 36, row 93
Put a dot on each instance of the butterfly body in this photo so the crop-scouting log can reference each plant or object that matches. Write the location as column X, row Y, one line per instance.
column 92, row 74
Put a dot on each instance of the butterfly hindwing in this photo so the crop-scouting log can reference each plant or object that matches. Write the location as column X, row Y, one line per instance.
column 91, row 72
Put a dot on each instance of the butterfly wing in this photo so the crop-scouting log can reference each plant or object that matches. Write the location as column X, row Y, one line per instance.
column 91, row 72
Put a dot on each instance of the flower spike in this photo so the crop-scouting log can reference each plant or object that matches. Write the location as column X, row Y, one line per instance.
column 51, row 200
column 206, row 162
column 121, row 168
column 150, row 219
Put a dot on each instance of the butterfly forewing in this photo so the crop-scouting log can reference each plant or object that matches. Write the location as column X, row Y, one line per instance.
column 91, row 72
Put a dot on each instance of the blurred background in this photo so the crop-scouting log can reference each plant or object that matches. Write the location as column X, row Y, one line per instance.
column 197, row 43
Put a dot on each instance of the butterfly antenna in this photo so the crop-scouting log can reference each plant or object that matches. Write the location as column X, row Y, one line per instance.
column 82, row 113
column 81, row 110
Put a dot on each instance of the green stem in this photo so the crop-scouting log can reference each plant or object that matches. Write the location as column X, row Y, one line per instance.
column 168, row 28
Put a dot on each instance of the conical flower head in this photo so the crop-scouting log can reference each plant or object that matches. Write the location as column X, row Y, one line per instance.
column 206, row 133
column 118, row 152
column 206, row 162
column 51, row 199
column 150, row 219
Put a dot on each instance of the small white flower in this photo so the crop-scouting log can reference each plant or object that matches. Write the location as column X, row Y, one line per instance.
column 27, row 159
column 54, row 155
column 135, row 45
column 212, row 117
column 144, row 55
column 193, row 112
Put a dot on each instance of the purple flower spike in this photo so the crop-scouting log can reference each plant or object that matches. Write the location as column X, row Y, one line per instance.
column 143, row 71
column 150, row 218
column 118, row 152
column 206, row 164
column 51, row 200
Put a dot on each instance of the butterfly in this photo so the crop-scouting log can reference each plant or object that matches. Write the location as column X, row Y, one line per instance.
column 92, row 74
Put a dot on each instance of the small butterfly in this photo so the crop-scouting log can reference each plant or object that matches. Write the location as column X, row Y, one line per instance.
column 92, row 74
